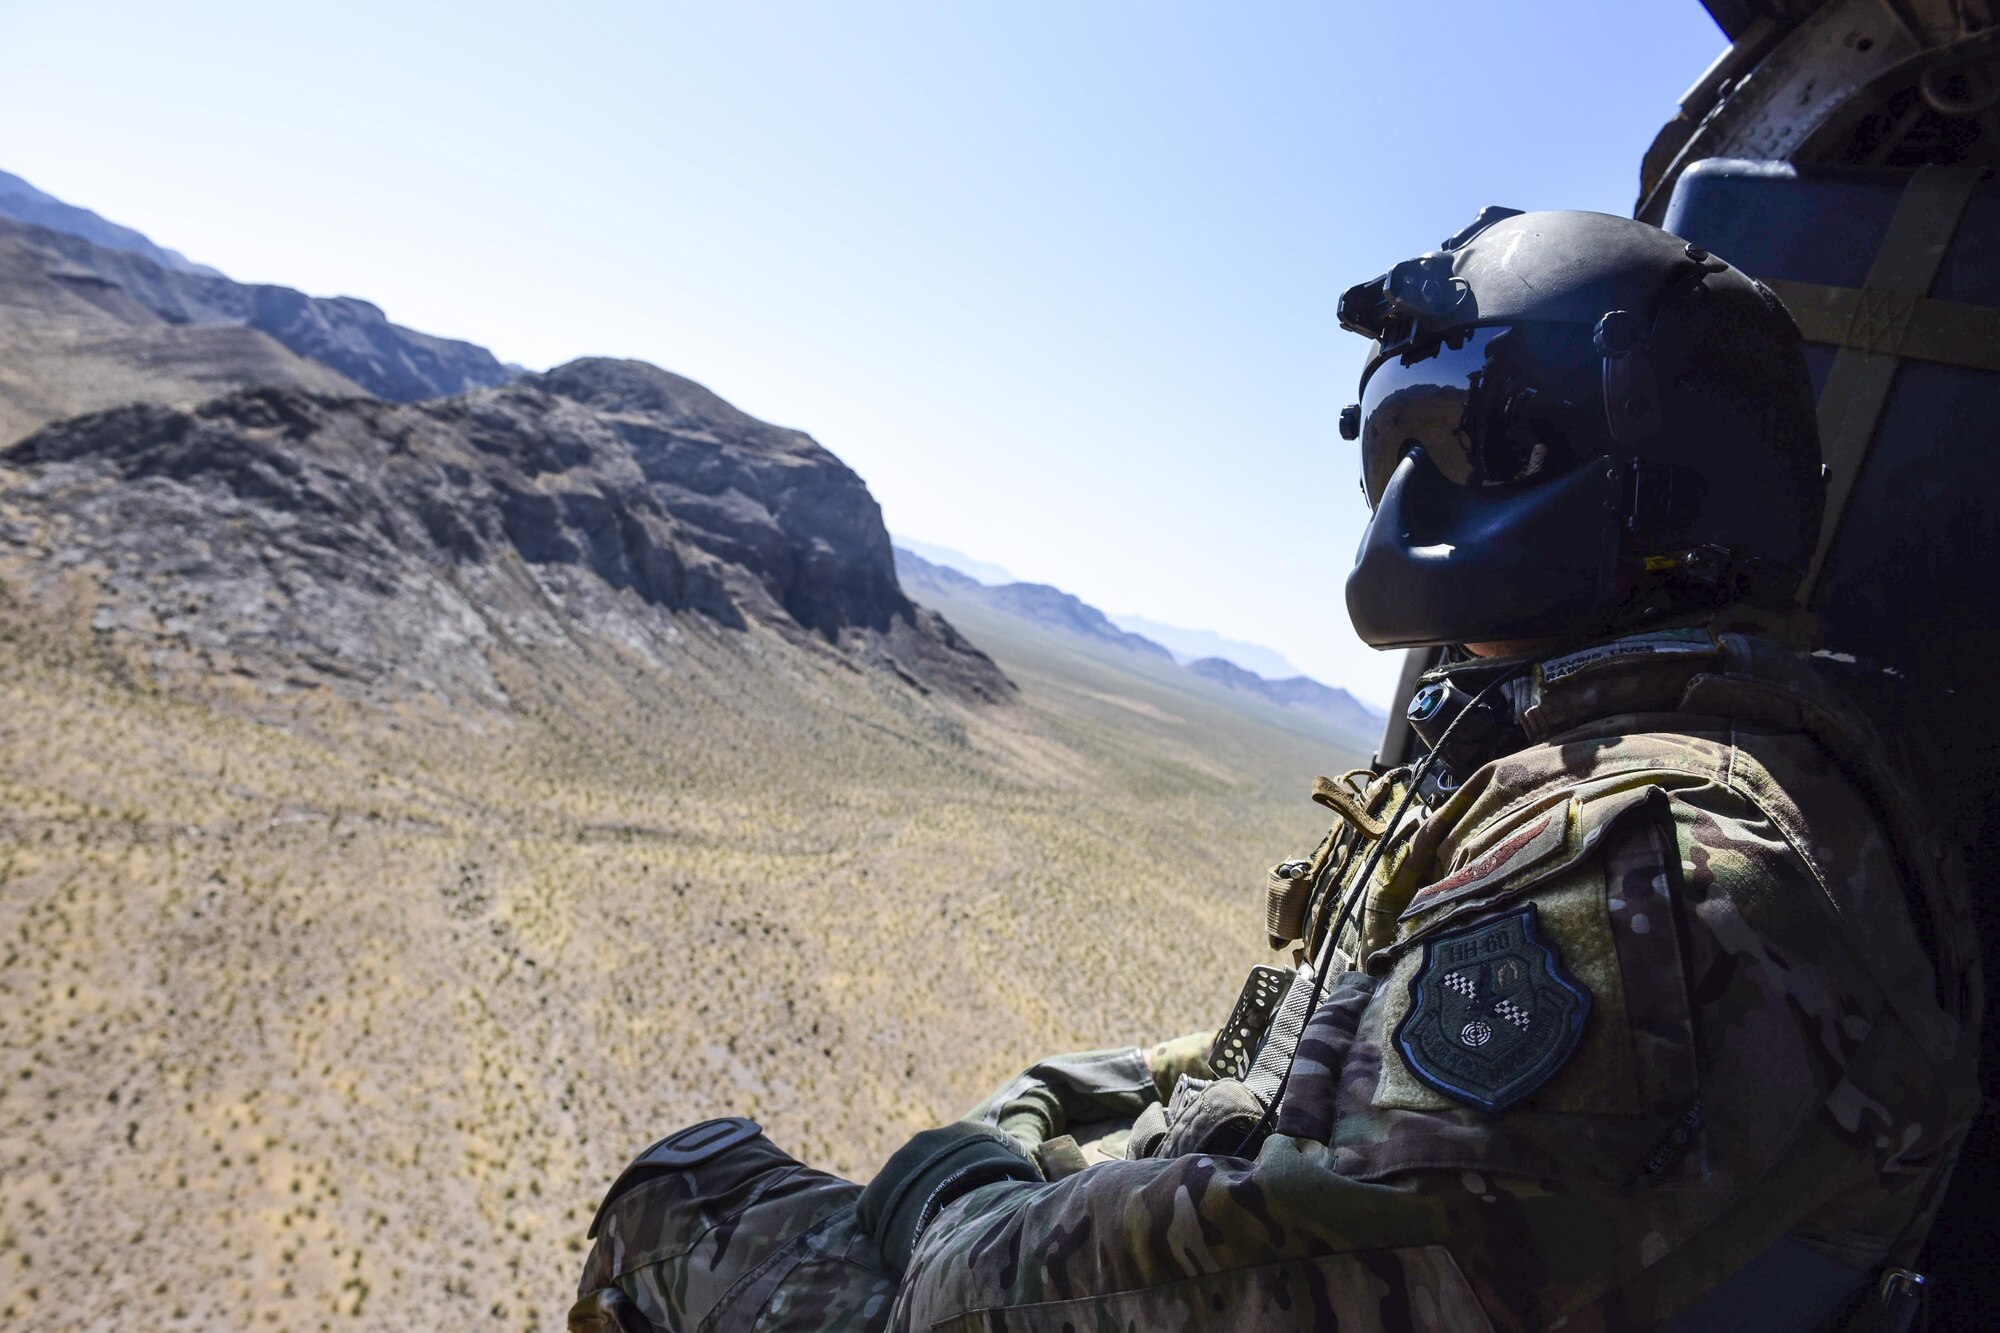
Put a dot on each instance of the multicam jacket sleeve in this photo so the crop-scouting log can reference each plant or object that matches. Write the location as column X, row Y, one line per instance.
column 1763, row 1058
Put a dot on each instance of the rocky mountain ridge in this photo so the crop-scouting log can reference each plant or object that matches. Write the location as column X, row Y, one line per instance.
column 347, row 335
column 393, row 548
column 94, row 315
column 256, row 483
column 73, row 340
column 24, row 203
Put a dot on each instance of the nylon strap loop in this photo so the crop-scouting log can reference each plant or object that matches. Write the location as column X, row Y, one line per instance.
column 1336, row 796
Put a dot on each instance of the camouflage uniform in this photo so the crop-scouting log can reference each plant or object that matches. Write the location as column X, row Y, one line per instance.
column 1713, row 852
column 749, row 1238
column 1719, row 866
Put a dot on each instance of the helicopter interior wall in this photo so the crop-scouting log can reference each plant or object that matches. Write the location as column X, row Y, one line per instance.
column 1907, row 594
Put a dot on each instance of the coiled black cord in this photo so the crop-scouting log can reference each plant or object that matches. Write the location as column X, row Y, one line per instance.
column 1359, row 889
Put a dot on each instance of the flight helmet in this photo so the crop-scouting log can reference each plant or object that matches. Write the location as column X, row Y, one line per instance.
column 1574, row 424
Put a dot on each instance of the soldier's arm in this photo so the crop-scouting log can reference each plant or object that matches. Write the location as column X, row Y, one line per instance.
column 1117, row 1083
column 1742, row 1081
column 1281, row 1241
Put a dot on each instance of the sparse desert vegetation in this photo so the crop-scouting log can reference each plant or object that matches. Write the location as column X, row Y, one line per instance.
column 325, row 1012
column 412, row 805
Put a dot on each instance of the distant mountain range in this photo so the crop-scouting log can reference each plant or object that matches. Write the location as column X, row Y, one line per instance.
column 1186, row 645
column 1291, row 692
column 1054, row 609
column 24, row 203
column 1036, row 603
column 1191, row 645
column 982, row 570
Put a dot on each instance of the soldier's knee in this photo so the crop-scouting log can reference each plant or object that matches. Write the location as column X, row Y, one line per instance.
column 715, row 1224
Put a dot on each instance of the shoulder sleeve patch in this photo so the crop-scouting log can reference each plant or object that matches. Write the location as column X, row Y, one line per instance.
column 1452, row 1011
column 1493, row 1012
column 1520, row 852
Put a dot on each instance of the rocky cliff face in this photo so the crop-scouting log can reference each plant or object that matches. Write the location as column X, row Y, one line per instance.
column 287, row 534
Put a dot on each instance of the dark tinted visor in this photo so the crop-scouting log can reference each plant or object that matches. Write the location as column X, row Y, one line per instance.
column 1490, row 406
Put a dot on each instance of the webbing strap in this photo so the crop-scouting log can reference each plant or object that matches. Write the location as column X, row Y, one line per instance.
column 1336, row 796
column 1857, row 388
column 1274, row 1058
column 1916, row 328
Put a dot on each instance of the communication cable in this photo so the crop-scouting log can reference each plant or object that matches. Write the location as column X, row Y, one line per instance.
column 1418, row 771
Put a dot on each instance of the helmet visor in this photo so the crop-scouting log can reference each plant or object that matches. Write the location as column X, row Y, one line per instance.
column 1483, row 407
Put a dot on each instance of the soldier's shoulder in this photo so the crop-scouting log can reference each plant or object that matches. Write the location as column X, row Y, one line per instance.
column 1591, row 781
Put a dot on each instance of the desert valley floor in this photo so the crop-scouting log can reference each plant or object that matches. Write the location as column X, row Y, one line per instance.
column 322, row 1013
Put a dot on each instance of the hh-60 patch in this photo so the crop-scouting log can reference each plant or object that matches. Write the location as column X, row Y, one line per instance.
column 1493, row 1013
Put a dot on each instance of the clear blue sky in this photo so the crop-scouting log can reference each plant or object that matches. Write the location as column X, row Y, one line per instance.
column 1057, row 278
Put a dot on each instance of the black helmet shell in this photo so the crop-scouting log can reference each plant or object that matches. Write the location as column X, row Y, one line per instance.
column 1573, row 423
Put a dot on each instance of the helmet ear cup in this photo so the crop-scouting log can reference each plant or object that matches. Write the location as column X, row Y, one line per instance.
column 1632, row 406
column 1739, row 415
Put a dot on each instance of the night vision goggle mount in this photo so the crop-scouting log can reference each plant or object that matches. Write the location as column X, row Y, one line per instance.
column 1419, row 297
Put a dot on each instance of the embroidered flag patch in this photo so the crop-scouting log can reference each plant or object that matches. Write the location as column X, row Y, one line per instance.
column 1493, row 1012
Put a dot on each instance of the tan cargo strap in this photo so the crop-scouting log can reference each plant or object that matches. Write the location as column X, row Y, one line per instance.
column 1337, row 796
column 1915, row 328
column 1288, row 888
column 1878, row 329
column 1059, row 1157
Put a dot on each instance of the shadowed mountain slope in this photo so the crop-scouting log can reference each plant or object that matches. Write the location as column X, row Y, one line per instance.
column 398, row 548
column 73, row 341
